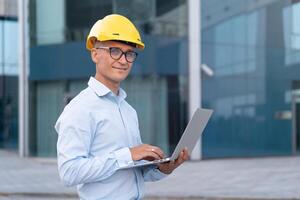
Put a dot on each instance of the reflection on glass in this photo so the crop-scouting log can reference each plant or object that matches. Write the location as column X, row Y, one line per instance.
column 249, row 53
column 235, row 44
column 291, row 18
column 8, row 83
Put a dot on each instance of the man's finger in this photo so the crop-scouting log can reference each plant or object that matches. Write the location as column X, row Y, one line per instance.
column 180, row 158
column 186, row 155
column 154, row 155
column 150, row 156
column 157, row 151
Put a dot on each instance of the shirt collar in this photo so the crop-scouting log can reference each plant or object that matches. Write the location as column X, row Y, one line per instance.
column 122, row 93
column 101, row 90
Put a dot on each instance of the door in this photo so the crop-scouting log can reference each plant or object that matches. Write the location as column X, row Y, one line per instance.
column 296, row 121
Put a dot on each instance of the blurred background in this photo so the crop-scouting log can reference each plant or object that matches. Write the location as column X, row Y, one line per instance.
column 249, row 53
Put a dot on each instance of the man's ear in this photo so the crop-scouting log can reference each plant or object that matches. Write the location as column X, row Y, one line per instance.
column 94, row 54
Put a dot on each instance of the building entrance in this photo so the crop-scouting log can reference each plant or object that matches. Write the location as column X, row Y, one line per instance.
column 296, row 120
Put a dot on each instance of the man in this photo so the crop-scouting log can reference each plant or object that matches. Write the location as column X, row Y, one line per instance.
column 98, row 132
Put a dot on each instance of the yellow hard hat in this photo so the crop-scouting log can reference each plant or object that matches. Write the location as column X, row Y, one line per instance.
column 114, row 27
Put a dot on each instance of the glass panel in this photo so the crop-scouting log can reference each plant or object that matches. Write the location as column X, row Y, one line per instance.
column 8, row 84
column 49, row 104
column 11, row 46
column 50, row 30
column 291, row 34
column 2, row 35
column 250, row 84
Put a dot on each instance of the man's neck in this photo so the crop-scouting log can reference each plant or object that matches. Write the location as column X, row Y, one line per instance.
column 113, row 87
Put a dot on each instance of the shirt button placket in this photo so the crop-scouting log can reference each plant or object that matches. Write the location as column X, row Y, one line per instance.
column 124, row 124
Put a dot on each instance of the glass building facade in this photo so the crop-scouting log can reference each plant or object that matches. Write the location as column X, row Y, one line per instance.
column 250, row 52
column 253, row 48
column 8, row 75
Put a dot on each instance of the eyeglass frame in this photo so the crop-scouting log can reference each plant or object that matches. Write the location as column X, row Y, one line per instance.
column 123, row 53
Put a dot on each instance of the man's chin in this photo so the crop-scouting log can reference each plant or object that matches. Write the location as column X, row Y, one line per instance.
column 119, row 79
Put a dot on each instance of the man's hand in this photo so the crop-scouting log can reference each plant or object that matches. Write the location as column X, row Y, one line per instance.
column 146, row 152
column 168, row 167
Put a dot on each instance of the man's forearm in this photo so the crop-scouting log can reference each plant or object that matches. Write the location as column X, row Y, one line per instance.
column 91, row 169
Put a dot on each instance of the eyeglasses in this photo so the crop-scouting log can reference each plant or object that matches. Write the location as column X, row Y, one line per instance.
column 116, row 53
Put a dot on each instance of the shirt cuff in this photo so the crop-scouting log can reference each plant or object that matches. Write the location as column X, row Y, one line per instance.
column 123, row 157
column 156, row 174
column 159, row 173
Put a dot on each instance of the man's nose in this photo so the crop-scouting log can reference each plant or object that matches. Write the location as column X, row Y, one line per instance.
column 123, row 59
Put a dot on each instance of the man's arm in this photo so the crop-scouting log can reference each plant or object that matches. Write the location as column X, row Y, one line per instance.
column 75, row 163
column 78, row 168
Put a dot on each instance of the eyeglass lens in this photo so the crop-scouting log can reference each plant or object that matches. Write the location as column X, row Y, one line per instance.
column 116, row 53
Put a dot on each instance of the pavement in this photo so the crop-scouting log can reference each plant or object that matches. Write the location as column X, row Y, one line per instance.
column 268, row 178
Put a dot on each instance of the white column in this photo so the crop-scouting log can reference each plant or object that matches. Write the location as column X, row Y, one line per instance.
column 23, row 77
column 194, row 35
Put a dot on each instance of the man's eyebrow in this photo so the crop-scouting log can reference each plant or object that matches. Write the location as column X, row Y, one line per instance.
column 130, row 49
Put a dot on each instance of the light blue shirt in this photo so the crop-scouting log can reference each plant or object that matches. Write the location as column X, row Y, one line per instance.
column 95, row 131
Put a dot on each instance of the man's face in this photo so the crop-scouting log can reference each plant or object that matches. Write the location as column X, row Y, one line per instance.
column 109, row 71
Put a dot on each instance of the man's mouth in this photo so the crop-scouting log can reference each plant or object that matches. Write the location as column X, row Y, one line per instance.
column 120, row 68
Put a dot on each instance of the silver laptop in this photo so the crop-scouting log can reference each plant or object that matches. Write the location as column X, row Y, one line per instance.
column 188, row 139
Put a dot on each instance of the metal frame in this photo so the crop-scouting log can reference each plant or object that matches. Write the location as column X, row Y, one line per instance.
column 294, row 137
column 295, row 98
column 23, row 78
column 194, row 43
